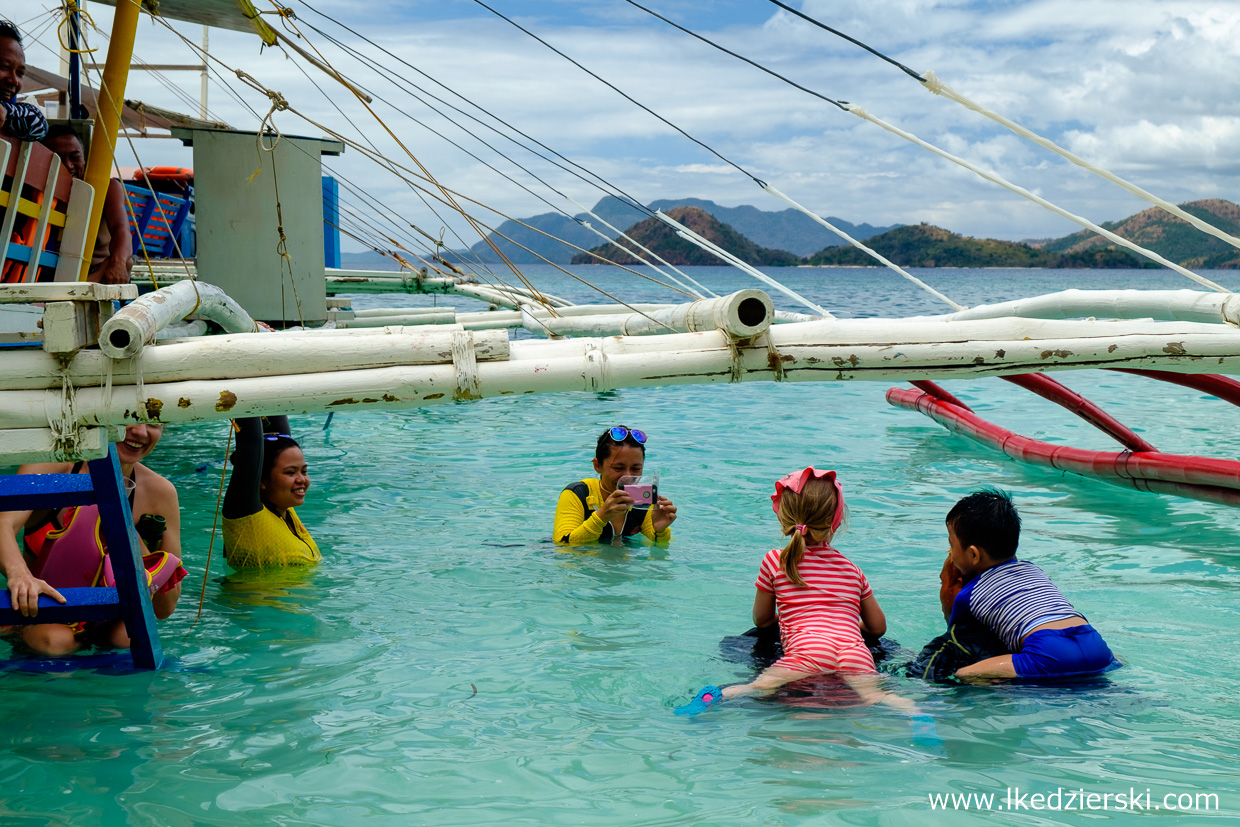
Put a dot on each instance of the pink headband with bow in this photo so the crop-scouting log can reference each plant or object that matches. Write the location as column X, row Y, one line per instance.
column 796, row 481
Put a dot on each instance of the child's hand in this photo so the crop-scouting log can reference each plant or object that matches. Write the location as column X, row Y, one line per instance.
column 664, row 514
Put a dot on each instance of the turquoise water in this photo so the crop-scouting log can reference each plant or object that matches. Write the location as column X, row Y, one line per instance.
column 448, row 665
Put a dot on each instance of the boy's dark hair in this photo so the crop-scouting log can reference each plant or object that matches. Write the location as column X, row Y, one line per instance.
column 987, row 519
column 9, row 31
column 602, row 449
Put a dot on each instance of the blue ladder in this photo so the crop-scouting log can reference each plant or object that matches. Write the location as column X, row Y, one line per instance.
column 130, row 600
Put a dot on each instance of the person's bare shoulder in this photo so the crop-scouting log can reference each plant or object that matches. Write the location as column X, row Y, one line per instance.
column 157, row 487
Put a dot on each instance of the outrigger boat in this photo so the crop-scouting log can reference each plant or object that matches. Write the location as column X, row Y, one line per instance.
column 92, row 367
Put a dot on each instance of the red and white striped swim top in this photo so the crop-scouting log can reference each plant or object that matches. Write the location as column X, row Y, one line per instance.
column 830, row 602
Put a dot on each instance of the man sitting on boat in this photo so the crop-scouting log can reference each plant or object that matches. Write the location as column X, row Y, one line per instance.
column 112, row 260
column 63, row 548
column 19, row 119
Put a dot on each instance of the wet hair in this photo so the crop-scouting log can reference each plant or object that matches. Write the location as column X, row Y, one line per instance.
column 813, row 508
column 603, row 449
column 10, row 32
column 987, row 519
column 272, row 448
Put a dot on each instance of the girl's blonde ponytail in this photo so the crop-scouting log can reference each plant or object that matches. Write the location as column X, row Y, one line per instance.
column 806, row 515
column 792, row 555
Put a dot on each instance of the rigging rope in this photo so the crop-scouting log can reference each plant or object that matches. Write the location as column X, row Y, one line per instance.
column 938, row 87
column 606, row 186
column 687, row 234
column 1037, row 199
column 989, row 176
column 362, row 99
column 378, row 67
column 854, row 242
column 206, row 569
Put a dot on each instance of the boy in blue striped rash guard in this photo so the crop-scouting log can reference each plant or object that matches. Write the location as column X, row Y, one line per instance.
column 1015, row 599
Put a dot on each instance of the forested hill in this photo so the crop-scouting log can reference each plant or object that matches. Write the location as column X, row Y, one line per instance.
column 782, row 238
column 1172, row 238
column 924, row 245
column 658, row 236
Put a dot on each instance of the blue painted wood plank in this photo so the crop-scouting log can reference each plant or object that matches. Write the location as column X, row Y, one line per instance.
column 81, row 604
column 27, row 492
column 125, row 552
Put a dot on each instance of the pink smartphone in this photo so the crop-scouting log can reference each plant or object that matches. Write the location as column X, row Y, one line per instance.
column 643, row 495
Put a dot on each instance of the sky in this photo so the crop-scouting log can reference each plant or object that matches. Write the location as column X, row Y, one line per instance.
column 1145, row 89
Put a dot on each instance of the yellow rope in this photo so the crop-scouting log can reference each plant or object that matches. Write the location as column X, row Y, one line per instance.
column 451, row 201
column 70, row 7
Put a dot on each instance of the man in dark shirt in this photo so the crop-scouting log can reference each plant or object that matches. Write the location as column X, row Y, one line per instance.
column 23, row 121
column 113, row 259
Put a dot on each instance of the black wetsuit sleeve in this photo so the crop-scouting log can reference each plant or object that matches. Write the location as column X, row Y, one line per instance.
column 242, row 499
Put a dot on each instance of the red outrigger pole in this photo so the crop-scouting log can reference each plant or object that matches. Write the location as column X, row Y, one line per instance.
column 1142, row 466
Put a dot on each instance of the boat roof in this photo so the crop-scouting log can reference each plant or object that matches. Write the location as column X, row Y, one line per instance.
column 136, row 116
column 237, row 15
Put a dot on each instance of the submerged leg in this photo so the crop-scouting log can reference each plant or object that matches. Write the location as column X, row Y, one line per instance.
column 766, row 683
column 772, row 678
column 925, row 733
column 50, row 638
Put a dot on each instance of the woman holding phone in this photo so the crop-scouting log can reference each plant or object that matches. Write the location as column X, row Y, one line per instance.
column 602, row 509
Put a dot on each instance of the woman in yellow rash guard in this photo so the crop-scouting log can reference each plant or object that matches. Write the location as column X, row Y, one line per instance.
column 269, row 478
column 597, row 509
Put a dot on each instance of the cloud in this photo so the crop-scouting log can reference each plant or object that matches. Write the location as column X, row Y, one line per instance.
column 1144, row 88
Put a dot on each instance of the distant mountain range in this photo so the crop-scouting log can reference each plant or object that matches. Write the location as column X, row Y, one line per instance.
column 656, row 235
column 786, row 230
column 790, row 238
column 924, row 245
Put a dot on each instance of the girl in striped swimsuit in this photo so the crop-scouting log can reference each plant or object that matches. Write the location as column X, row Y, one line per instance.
column 819, row 597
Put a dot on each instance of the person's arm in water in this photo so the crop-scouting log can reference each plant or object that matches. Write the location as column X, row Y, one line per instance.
column 160, row 498
column 116, row 267
column 24, row 588
column 764, row 613
column 571, row 526
column 873, row 621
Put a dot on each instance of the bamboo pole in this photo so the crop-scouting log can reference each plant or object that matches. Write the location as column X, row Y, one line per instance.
column 1167, row 305
column 250, row 355
column 789, row 352
column 742, row 315
column 136, row 325
column 498, row 319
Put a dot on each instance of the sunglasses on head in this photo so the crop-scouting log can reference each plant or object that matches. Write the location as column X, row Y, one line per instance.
column 619, row 433
column 274, row 437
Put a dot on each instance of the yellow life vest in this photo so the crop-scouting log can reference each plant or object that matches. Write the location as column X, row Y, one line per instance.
column 263, row 540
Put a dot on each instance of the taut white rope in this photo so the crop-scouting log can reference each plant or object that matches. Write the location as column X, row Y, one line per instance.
column 709, row 246
column 938, row 87
column 1037, row 199
column 854, row 242
column 700, row 292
